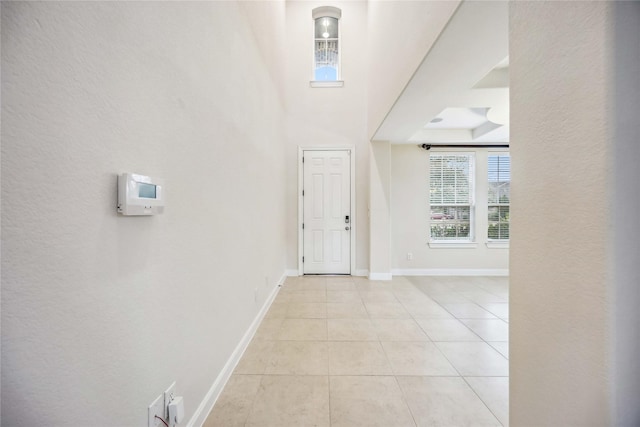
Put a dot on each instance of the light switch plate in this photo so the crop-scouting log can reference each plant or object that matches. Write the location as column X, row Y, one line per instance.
column 156, row 408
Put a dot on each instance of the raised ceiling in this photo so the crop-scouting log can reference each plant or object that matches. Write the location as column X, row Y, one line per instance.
column 464, row 77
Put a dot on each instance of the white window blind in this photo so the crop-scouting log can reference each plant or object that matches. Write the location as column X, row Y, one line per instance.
column 499, row 196
column 451, row 198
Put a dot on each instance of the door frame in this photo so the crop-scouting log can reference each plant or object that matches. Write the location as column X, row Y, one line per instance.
column 352, row 179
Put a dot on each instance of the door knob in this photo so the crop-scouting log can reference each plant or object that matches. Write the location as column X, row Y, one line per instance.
column 347, row 228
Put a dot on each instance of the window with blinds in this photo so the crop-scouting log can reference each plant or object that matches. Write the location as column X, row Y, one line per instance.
column 499, row 176
column 451, row 196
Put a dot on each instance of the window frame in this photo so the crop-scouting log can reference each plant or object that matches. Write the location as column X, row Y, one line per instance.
column 493, row 241
column 469, row 242
column 319, row 13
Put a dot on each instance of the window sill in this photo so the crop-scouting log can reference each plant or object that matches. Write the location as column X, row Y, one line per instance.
column 498, row 245
column 337, row 83
column 453, row 245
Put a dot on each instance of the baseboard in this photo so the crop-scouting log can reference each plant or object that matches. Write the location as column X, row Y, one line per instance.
column 201, row 414
column 380, row 276
column 449, row 272
column 362, row 273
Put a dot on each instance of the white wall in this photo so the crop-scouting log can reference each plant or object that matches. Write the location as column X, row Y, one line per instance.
column 327, row 116
column 411, row 214
column 391, row 58
column 100, row 313
column 380, row 200
column 574, row 297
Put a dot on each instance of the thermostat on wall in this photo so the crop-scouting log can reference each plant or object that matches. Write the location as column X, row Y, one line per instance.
column 140, row 195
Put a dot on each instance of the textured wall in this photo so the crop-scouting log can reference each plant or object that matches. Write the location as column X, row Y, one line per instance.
column 100, row 313
column 327, row 116
column 561, row 148
column 410, row 217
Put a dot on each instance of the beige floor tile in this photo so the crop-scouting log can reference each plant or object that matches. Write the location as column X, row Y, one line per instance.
column 368, row 401
column 303, row 330
column 284, row 400
column 430, row 285
column 304, row 284
column 445, row 401
column 234, row 404
column 494, row 392
column 278, row 310
column 298, row 358
column 378, row 296
column 372, row 285
column 427, row 310
column 346, row 310
column 268, row 329
column 341, row 286
column 398, row 330
column 282, row 297
column 342, row 279
column 479, row 296
column 447, row 330
column 351, row 330
column 343, row 296
column 255, row 358
column 417, row 358
column 489, row 329
column 308, row 296
column 361, row 333
column 306, row 310
column 501, row 346
column 304, row 287
column 475, row 358
column 386, row 310
column 449, row 298
column 499, row 309
column 468, row 311
column 411, row 295
column 357, row 358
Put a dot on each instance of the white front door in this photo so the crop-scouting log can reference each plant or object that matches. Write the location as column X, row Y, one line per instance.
column 327, row 212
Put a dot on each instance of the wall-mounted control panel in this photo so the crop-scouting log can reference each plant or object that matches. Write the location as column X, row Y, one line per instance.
column 140, row 194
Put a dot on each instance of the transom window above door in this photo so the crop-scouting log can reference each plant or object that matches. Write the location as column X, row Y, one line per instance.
column 326, row 51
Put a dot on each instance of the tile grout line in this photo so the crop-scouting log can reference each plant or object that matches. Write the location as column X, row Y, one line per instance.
column 464, row 379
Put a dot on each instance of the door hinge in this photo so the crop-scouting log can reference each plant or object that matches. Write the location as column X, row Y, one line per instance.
column 302, row 259
column 303, row 225
column 302, row 193
column 303, row 160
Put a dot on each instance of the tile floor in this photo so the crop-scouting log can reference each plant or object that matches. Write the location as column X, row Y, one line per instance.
column 347, row 351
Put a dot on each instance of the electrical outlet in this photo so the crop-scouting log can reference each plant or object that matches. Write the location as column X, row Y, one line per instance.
column 156, row 408
column 409, row 256
column 169, row 394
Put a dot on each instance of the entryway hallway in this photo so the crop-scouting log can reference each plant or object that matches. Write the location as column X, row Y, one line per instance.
column 348, row 351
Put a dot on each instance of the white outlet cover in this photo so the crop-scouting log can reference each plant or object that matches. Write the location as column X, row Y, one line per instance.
column 156, row 408
column 169, row 394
